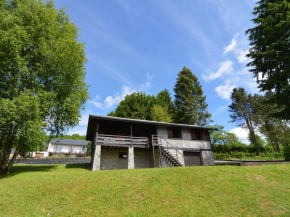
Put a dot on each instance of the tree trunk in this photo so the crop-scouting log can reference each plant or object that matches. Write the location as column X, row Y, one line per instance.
column 11, row 162
column 250, row 127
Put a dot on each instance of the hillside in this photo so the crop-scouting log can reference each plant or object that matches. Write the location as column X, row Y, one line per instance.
column 72, row 190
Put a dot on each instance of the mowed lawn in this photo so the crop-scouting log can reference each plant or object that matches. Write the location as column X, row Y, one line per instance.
column 72, row 190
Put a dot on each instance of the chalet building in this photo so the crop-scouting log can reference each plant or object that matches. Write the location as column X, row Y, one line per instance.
column 122, row 143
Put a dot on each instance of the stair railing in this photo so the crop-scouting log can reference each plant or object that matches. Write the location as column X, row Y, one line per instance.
column 158, row 139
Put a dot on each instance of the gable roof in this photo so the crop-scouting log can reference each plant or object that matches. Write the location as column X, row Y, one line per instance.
column 71, row 142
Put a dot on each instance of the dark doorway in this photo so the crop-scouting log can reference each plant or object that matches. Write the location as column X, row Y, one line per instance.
column 192, row 158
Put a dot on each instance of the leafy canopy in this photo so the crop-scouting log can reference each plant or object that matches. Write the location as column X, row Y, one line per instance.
column 42, row 74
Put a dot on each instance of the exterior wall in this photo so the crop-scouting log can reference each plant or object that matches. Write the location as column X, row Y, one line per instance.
column 110, row 160
column 207, row 158
column 65, row 148
column 143, row 159
column 185, row 142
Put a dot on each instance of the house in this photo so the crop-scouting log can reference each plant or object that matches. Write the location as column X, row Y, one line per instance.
column 67, row 146
column 122, row 143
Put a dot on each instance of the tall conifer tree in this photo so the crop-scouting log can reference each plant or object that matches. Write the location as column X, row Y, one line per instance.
column 270, row 51
column 190, row 105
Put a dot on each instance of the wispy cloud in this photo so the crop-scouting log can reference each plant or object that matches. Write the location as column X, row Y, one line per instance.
column 111, row 101
column 232, row 45
column 239, row 52
column 225, row 67
column 147, row 84
column 220, row 110
column 225, row 90
column 113, row 73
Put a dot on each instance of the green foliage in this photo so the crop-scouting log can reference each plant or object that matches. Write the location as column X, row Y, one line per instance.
column 41, row 70
column 269, row 52
column 260, row 142
column 164, row 99
column 74, row 136
column 221, row 137
column 158, row 113
column 137, row 106
column 241, row 110
column 236, row 155
column 146, row 107
column 190, row 103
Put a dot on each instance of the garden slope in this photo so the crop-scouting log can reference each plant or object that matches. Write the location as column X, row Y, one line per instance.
column 72, row 190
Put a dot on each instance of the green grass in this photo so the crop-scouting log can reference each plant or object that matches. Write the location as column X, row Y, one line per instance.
column 72, row 190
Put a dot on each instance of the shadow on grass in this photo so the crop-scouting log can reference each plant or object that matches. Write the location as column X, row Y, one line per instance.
column 17, row 169
column 85, row 166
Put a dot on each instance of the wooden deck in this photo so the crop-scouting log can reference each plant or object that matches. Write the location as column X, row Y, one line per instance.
column 122, row 141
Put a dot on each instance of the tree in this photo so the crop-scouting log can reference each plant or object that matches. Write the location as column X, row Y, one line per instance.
column 158, row 113
column 241, row 112
column 190, row 104
column 42, row 87
column 269, row 52
column 137, row 106
column 264, row 121
column 164, row 99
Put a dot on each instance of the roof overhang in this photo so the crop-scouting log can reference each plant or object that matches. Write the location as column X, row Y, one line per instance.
column 94, row 118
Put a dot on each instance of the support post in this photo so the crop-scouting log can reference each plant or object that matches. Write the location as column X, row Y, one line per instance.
column 153, row 152
column 131, row 163
column 131, row 137
column 96, row 161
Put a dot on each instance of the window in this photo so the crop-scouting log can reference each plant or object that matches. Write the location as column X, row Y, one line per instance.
column 57, row 148
column 123, row 155
column 197, row 135
column 71, row 149
column 174, row 133
column 83, row 149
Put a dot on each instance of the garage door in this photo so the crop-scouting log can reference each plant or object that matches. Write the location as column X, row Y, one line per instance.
column 192, row 158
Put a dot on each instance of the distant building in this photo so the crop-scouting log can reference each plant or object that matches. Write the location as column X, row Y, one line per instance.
column 67, row 146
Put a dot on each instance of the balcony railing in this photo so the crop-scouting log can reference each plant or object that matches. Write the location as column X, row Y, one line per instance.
column 104, row 139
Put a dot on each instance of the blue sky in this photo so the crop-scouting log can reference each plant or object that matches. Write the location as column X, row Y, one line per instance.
column 142, row 45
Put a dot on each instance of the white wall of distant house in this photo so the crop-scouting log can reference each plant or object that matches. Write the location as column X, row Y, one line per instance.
column 66, row 148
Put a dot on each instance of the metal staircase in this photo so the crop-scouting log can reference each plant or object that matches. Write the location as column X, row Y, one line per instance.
column 169, row 155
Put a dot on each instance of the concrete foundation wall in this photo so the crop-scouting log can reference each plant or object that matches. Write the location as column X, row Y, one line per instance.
column 110, row 160
column 143, row 159
column 207, row 158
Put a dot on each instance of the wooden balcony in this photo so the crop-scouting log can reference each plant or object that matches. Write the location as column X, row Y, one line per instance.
column 122, row 141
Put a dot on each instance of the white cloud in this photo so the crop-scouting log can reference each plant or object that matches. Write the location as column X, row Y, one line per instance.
column 241, row 56
column 232, row 45
column 224, row 91
column 147, row 84
column 242, row 134
column 111, row 101
column 239, row 52
column 225, row 67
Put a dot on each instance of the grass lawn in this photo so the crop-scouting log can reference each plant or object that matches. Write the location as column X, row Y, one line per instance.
column 72, row 190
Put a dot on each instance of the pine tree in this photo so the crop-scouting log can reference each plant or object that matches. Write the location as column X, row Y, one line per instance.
column 164, row 100
column 270, row 51
column 241, row 112
column 190, row 105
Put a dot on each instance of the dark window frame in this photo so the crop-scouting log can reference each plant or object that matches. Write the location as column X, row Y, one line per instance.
column 172, row 132
column 123, row 155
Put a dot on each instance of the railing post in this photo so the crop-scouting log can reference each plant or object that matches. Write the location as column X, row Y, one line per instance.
column 153, row 153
